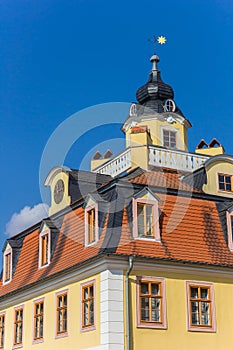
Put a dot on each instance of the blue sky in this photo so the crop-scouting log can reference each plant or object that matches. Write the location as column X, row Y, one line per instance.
column 58, row 57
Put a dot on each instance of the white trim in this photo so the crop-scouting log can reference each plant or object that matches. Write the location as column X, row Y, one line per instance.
column 42, row 234
column 112, row 309
column 155, row 218
column 229, row 217
column 87, row 209
column 6, row 252
column 83, row 272
column 53, row 172
column 173, row 129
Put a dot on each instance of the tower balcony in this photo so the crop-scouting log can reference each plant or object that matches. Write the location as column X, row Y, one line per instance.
column 147, row 157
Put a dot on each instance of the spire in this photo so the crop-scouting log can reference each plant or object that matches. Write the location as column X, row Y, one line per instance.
column 155, row 93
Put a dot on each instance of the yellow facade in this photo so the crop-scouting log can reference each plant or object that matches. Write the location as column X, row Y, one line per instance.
column 75, row 338
column 213, row 168
column 176, row 336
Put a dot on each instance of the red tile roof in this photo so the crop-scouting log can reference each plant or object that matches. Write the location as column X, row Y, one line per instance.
column 190, row 227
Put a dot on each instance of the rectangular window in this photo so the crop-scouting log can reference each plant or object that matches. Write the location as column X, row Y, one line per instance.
column 44, row 249
column 2, row 330
column 18, row 327
column 145, row 219
column 225, row 182
column 200, row 307
column 7, row 267
column 38, row 320
column 91, row 226
column 229, row 217
column 88, row 300
column 61, row 313
column 169, row 139
column 151, row 302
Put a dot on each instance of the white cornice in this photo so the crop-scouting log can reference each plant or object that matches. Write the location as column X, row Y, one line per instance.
column 53, row 172
column 109, row 263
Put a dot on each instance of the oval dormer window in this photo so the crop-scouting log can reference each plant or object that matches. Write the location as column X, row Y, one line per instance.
column 169, row 106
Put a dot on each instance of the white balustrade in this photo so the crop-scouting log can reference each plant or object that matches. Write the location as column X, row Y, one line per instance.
column 174, row 159
column 117, row 165
column 158, row 156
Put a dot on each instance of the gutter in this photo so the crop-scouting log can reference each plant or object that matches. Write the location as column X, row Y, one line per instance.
column 128, row 347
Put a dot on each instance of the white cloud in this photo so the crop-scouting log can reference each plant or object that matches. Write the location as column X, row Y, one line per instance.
column 26, row 218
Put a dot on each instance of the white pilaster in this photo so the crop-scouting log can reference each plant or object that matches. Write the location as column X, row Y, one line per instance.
column 112, row 310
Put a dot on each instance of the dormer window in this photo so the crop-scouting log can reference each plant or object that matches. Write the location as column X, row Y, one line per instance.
column 225, row 182
column 91, row 225
column 230, row 230
column 145, row 219
column 146, row 216
column 7, row 268
column 44, row 248
column 91, row 220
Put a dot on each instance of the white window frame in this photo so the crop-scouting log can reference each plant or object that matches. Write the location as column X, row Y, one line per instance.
column 229, row 217
column 6, row 252
column 155, row 217
column 170, row 128
column 87, row 209
column 42, row 234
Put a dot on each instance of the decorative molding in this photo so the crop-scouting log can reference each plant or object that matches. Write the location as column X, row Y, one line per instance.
column 83, row 285
column 87, row 209
column 78, row 273
column 212, row 327
column 57, row 294
column 155, row 218
column 157, row 325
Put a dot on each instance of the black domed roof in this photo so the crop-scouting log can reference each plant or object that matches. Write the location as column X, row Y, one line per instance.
column 155, row 92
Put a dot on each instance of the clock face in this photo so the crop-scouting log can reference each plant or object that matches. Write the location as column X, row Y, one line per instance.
column 58, row 191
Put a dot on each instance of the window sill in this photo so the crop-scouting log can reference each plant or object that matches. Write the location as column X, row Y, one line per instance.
column 90, row 244
column 88, row 328
column 225, row 191
column 152, row 325
column 148, row 238
column 17, row 346
column 61, row 335
column 202, row 329
column 38, row 341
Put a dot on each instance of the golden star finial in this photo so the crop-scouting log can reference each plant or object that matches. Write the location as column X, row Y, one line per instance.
column 161, row 40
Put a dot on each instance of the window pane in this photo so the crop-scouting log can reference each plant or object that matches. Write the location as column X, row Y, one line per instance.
column 204, row 293
column 194, row 305
column 155, row 305
column 145, row 303
column 194, row 292
column 195, row 319
column 145, row 314
column 85, row 293
column 155, row 288
column 221, row 186
column 144, row 288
